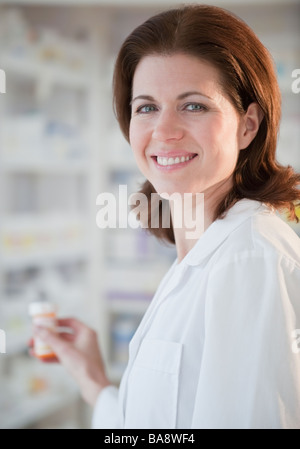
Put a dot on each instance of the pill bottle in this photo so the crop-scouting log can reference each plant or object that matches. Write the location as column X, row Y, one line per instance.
column 43, row 314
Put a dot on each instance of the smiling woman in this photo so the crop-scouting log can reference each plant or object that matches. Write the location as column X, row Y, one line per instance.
column 196, row 96
column 242, row 75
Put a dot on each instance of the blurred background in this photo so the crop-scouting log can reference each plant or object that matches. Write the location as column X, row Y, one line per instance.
column 60, row 147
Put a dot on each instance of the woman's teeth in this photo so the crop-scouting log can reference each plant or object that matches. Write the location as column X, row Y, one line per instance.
column 172, row 160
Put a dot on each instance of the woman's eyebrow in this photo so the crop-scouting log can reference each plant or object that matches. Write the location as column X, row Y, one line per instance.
column 193, row 92
column 180, row 97
column 142, row 97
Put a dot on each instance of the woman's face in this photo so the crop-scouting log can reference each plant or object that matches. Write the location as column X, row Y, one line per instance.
column 184, row 132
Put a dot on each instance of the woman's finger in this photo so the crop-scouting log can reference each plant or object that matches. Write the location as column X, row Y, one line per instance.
column 71, row 323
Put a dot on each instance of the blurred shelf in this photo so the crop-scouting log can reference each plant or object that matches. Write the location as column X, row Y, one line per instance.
column 31, row 409
column 42, row 221
column 50, row 135
column 52, row 74
column 44, row 167
column 129, row 306
column 38, row 239
column 124, row 165
column 43, row 258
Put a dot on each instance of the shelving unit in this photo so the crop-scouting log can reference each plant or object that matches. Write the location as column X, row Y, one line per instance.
column 47, row 158
column 60, row 148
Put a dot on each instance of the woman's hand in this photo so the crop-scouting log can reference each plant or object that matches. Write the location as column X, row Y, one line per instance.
column 78, row 351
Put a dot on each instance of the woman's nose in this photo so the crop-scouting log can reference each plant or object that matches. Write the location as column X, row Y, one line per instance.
column 167, row 127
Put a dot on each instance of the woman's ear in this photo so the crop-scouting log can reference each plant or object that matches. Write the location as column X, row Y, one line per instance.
column 249, row 125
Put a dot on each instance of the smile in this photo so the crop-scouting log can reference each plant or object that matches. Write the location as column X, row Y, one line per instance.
column 172, row 160
column 168, row 162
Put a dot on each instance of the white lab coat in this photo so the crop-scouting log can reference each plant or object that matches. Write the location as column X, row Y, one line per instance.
column 216, row 347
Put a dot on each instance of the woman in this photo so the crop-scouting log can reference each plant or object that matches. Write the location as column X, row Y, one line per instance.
column 197, row 98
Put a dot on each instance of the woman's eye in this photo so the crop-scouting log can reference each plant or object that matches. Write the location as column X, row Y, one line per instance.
column 195, row 107
column 146, row 109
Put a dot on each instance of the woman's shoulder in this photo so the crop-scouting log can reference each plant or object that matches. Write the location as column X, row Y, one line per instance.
column 266, row 233
column 272, row 233
column 249, row 229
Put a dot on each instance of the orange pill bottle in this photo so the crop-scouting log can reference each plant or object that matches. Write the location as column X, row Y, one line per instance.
column 43, row 314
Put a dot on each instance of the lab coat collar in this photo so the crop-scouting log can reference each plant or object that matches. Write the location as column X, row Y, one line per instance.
column 220, row 229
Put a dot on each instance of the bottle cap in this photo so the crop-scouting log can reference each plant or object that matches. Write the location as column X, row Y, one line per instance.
column 39, row 307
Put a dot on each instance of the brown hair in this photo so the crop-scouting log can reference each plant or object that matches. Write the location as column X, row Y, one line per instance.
column 247, row 72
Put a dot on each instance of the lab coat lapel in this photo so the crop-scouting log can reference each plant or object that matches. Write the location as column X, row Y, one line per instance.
column 176, row 274
column 220, row 229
